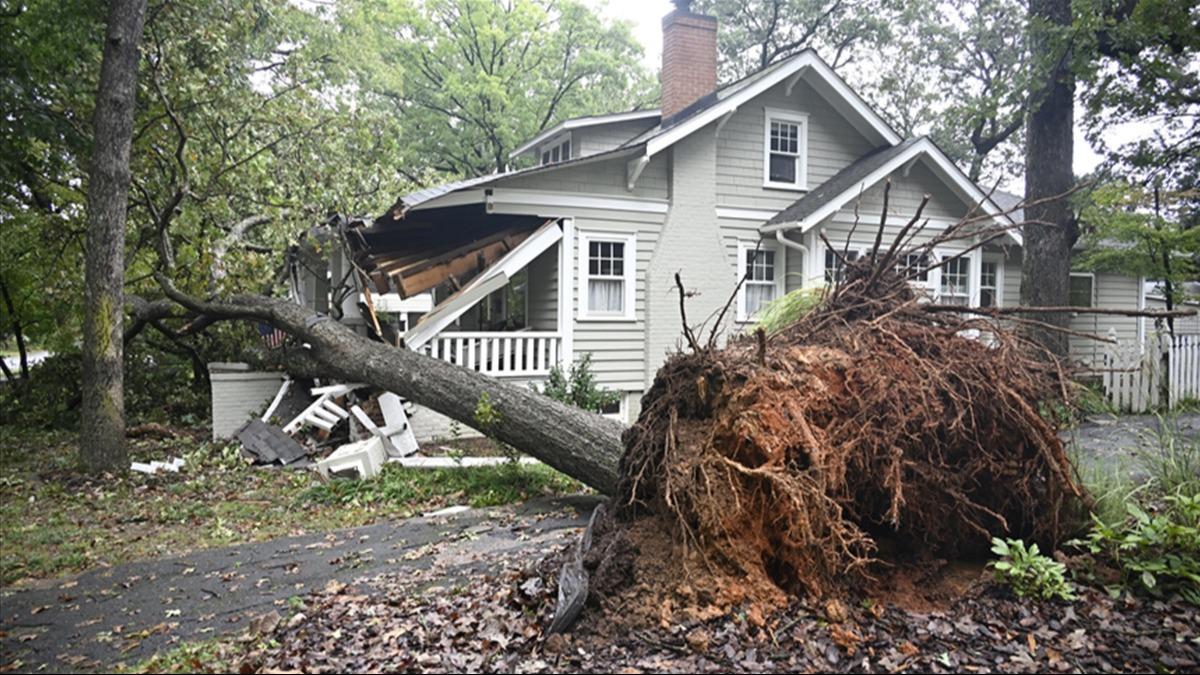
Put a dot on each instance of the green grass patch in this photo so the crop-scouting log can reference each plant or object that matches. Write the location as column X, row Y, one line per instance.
column 55, row 520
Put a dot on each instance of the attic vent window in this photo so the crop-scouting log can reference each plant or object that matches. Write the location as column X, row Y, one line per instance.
column 785, row 150
column 557, row 150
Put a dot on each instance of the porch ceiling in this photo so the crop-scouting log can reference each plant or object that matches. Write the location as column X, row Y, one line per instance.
column 452, row 245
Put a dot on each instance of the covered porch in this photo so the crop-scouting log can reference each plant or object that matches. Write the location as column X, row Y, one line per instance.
column 483, row 291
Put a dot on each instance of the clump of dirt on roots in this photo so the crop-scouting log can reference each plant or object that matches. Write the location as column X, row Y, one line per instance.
column 773, row 468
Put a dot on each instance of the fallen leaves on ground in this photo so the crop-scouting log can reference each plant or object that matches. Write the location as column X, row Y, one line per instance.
column 494, row 623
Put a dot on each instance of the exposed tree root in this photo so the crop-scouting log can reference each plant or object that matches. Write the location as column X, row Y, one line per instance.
column 870, row 419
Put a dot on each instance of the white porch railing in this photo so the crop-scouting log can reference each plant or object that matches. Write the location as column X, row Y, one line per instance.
column 500, row 354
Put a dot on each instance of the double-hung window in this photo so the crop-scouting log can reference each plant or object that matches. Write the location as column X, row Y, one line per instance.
column 834, row 267
column 760, row 271
column 607, row 273
column 785, row 150
column 914, row 267
column 557, row 150
column 955, row 286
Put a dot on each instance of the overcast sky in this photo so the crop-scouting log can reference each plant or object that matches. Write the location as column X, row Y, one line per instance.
column 647, row 15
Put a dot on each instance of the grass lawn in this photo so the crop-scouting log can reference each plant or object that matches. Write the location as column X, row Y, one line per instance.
column 55, row 521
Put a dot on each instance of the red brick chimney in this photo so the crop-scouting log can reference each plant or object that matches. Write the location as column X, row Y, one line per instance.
column 689, row 58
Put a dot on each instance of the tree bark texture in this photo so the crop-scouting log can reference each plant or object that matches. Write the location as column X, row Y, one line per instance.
column 102, row 423
column 1051, row 229
column 583, row 445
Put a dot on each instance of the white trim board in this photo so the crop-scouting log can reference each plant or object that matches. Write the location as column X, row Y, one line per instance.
column 492, row 279
column 561, row 204
column 740, row 213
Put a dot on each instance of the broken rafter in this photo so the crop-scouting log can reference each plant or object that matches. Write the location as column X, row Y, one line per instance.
column 413, row 275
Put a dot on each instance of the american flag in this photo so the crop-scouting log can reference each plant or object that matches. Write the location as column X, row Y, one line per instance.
column 271, row 336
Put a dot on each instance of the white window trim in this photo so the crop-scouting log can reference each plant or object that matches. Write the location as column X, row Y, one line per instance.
column 553, row 143
column 1090, row 275
column 780, row 273
column 620, row 414
column 998, row 259
column 935, row 275
column 801, row 184
column 585, row 238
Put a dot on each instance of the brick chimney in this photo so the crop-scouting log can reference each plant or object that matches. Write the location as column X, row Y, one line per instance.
column 689, row 58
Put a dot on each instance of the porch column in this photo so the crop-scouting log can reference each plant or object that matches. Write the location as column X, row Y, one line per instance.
column 566, row 287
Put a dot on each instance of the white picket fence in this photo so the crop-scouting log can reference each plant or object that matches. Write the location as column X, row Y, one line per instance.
column 1133, row 373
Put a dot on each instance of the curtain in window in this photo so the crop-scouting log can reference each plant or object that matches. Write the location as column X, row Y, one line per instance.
column 606, row 295
column 758, row 295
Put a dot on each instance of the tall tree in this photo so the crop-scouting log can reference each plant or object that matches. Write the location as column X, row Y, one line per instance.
column 472, row 79
column 956, row 70
column 102, row 426
column 1143, row 232
column 756, row 33
column 1051, row 229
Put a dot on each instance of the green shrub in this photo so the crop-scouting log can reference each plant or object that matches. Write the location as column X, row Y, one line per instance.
column 1157, row 553
column 578, row 387
column 1028, row 572
column 787, row 309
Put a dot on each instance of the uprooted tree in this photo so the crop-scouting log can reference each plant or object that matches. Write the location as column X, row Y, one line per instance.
column 581, row 444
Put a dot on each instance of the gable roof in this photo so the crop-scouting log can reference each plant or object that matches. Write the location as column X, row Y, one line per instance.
column 830, row 197
column 726, row 100
column 582, row 123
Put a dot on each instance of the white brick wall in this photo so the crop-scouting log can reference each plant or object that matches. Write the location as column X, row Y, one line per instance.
column 691, row 244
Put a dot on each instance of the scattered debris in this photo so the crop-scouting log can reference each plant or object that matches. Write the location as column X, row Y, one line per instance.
column 448, row 511
column 323, row 413
column 173, row 465
column 267, row 444
column 396, row 434
column 361, row 459
column 460, row 462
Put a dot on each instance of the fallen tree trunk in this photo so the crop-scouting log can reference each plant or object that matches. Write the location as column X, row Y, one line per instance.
column 583, row 445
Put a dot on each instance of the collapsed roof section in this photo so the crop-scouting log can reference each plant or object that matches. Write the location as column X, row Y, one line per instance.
column 438, row 247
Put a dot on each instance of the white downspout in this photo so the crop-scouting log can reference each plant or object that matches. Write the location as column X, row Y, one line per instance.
column 794, row 245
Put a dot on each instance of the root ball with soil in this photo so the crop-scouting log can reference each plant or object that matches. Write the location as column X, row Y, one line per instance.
column 782, row 466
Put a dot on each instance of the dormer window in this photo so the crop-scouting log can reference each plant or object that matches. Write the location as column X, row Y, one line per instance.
column 785, row 150
column 557, row 150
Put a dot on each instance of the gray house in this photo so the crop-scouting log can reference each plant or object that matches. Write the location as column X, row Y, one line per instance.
column 576, row 253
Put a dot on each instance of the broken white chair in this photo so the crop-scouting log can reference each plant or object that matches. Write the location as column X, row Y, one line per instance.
column 396, row 435
column 365, row 458
column 323, row 413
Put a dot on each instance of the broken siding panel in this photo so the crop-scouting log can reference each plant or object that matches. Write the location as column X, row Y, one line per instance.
column 833, row 144
column 606, row 178
column 617, row 347
column 543, row 291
